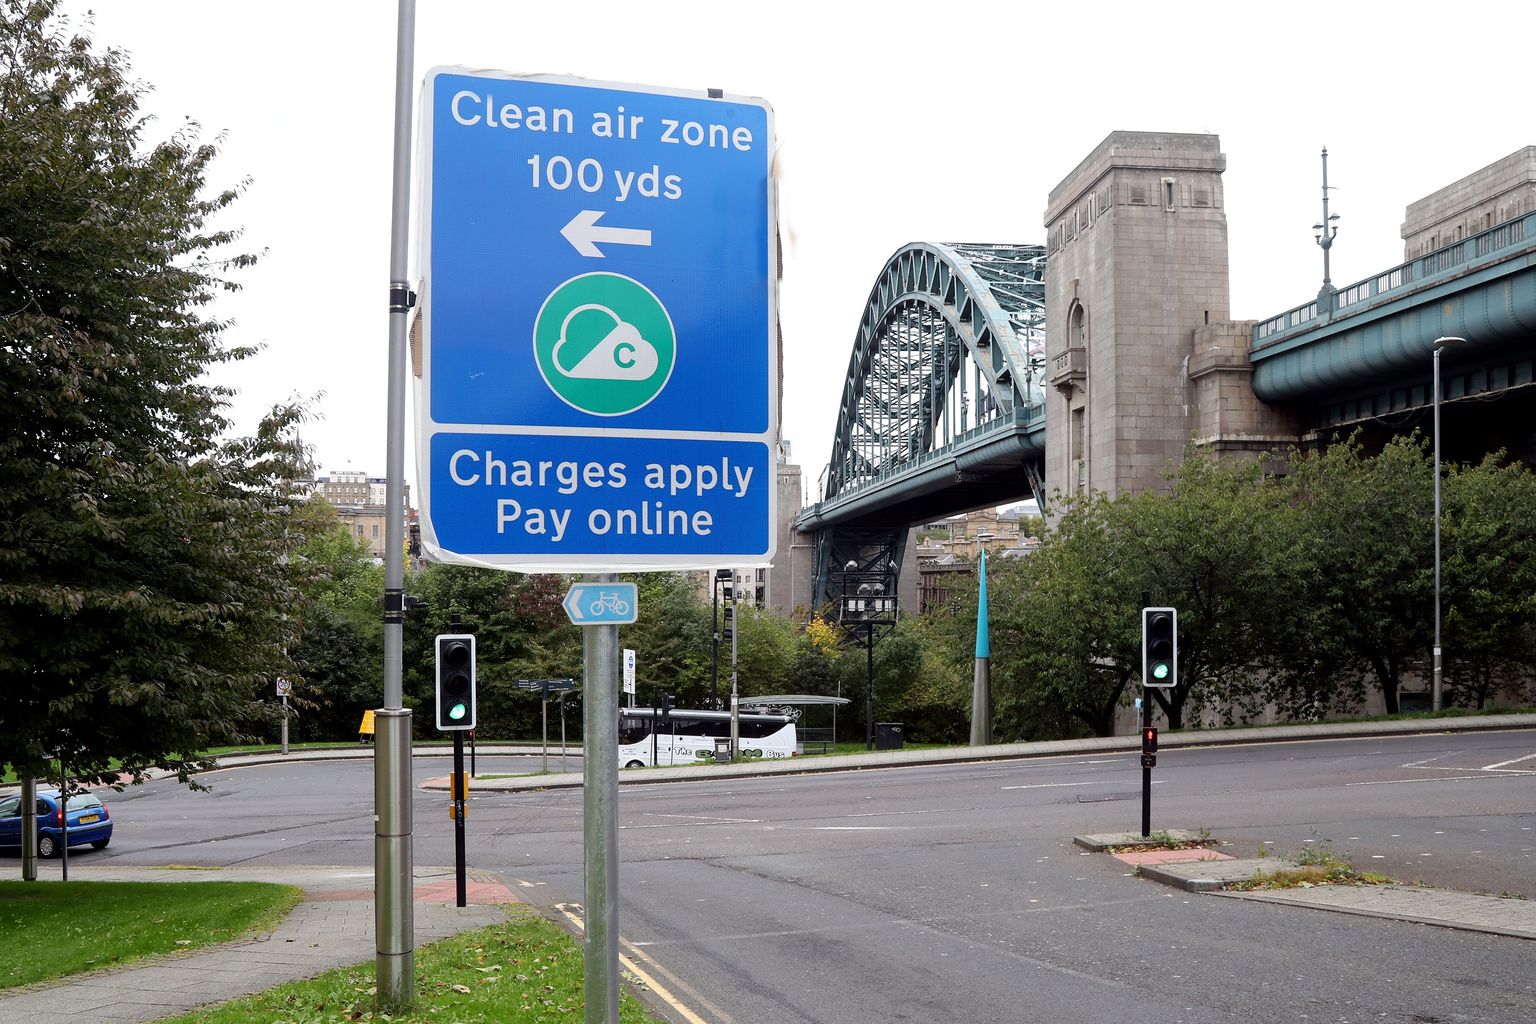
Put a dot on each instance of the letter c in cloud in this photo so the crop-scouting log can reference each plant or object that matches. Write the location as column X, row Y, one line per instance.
column 622, row 354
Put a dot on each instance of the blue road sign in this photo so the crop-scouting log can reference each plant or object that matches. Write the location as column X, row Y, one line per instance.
column 599, row 358
column 602, row 604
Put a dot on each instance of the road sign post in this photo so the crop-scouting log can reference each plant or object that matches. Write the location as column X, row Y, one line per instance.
column 600, row 835
column 629, row 675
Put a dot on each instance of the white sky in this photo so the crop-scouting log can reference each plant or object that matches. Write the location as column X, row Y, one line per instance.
column 899, row 121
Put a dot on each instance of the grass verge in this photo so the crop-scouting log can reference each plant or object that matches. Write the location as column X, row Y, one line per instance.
column 52, row 929
column 523, row 971
column 1307, row 876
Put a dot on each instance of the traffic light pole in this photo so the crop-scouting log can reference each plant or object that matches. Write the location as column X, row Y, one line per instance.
column 1146, row 723
column 460, row 802
column 1146, row 766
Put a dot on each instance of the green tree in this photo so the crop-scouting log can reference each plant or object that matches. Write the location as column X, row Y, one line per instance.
column 765, row 652
column 1368, row 522
column 142, row 590
column 918, row 686
column 338, row 658
column 1488, row 586
column 1065, row 625
column 1216, row 548
column 671, row 639
column 520, row 631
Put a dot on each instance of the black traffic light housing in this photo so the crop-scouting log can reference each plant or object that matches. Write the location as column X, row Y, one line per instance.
column 1149, row 740
column 1159, row 647
column 455, row 682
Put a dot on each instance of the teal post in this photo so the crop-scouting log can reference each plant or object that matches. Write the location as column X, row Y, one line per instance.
column 981, row 689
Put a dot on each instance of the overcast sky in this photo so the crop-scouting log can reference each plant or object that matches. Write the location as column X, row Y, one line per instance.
column 898, row 121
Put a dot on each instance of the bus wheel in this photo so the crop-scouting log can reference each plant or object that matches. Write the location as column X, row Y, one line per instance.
column 635, row 764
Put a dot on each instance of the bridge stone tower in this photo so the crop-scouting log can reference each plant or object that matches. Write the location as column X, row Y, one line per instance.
column 1137, row 266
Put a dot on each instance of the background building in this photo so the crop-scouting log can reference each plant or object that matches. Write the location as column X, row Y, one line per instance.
column 359, row 502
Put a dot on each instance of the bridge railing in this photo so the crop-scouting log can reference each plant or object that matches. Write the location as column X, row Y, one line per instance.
column 1028, row 415
column 1493, row 244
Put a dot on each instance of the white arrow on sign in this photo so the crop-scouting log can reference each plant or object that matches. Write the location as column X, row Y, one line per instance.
column 582, row 232
column 572, row 604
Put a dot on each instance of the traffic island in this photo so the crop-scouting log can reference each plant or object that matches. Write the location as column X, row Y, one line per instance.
column 1163, row 839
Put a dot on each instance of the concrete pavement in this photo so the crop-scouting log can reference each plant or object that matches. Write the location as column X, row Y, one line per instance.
column 332, row 927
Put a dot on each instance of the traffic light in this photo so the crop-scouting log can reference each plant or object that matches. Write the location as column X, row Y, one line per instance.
column 455, row 682
column 1159, row 647
column 1149, row 740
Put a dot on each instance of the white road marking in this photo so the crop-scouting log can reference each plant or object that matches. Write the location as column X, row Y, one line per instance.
column 1405, row 782
column 632, row 965
column 851, row 828
column 1058, row 785
column 696, row 821
column 1416, row 764
column 1501, row 764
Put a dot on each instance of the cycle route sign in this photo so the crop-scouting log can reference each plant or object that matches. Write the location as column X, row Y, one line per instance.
column 598, row 358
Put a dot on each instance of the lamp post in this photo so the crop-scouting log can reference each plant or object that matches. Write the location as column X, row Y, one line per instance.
column 720, row 576
column 1327, row 230
column 865, row 608
column 1436, row 691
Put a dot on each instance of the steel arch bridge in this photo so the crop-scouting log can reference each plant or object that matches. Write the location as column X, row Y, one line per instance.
column 942, row 410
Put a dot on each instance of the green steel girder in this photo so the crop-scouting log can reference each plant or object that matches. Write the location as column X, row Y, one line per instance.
column 950, row 345
column 951, row 337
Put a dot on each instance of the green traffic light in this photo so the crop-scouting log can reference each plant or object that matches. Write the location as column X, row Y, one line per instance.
column 1160, row 671
column 457, row 712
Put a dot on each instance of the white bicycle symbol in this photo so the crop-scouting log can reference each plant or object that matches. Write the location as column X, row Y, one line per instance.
column 609, row 601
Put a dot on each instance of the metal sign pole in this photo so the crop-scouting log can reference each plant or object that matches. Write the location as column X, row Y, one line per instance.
column 29, row 829
column 600, row 771
column 285, row 725
column 735, row 632
column 544, row 718
column 395, row 948
column 64, row 814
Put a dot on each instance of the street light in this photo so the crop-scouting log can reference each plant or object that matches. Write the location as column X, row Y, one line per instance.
column 1436, row 691
column 726, row 577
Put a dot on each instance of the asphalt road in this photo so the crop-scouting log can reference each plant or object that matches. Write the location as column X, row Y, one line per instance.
column 953, row 893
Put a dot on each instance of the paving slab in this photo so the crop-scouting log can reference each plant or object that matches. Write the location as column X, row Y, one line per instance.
column 1099, row 842
column 1443, row 908
column 1187, row 855
column 1210, row 875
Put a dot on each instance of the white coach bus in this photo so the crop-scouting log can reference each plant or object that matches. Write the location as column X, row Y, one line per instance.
column 688, row 737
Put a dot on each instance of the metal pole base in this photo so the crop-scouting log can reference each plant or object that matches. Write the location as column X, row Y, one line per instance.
column 981, row 704
column 395, row 963
column 395, row 974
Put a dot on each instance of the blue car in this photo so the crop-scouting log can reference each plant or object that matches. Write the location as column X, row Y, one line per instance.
column 89, row 822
